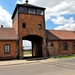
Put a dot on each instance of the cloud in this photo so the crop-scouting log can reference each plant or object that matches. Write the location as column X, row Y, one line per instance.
column 18, row 1
column 62, row 20
column 57, row 8
column 59, row 20
column 66, row 24
column 27, row 44
column 5, row 17
column 23, row 1
column 54, row 8
column 66, row 27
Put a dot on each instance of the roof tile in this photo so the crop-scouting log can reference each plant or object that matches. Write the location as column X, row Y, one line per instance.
column 8, row 34
column 60, row 35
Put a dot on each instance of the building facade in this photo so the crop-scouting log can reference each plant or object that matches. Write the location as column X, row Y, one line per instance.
column 28, row 23
column 60, row 42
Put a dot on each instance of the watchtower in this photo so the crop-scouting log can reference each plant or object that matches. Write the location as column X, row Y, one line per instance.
column 29, row 23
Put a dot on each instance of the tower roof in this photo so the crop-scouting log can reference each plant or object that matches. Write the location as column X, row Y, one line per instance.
column 30, row 5
column 26, row 5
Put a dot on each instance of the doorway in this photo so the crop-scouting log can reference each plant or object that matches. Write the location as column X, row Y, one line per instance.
column 35, row 45
column 27, row 48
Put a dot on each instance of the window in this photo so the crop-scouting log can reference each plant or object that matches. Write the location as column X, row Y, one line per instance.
column 74, row 45
column 65, row 46
column 52, row 44
column 23, row 25
column 31, row 10
column 22, row 10
column 40, row 12
column 39, row 26
column 7, row 48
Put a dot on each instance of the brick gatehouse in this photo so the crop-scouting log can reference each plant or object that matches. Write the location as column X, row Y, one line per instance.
column 28, row 23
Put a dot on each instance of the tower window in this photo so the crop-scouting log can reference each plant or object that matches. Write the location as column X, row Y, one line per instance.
column 40, row 12
column 39, row 26
column 22, row 10
column 23, row 25
column 31, row 10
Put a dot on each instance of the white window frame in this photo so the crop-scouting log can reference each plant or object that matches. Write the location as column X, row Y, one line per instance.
column 6, row 48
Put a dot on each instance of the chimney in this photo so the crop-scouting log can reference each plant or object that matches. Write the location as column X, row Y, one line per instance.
column 1, row 26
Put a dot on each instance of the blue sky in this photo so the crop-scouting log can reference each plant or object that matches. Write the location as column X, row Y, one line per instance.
column 59, row 14
column 8, row 5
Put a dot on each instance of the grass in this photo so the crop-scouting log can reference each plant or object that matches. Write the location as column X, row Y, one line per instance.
column 26, row 52
column 63, row 56
column 66, row 56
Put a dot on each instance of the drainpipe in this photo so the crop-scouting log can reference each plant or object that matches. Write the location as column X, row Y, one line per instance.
column 47, row 47
column 18, row 57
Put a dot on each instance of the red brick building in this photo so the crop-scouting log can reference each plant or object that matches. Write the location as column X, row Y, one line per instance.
column 60, row 42
column 8, row 43
column 28, row 23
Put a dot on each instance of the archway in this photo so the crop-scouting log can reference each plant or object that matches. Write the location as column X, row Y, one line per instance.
column 36, row 44
column 27, row 48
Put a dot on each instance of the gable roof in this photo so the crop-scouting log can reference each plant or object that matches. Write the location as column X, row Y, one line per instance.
column 30, row 5
column 60, row 35
column 8, row 34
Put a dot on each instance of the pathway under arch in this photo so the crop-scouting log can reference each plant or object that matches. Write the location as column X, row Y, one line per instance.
column 36, row 44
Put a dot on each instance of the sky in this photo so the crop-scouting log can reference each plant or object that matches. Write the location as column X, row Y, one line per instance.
column 59, row 14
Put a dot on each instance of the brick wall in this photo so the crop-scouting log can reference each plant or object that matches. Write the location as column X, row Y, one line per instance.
column 13, row 49
column 32, row 22
column 52, row 48
column 57, row 48
column 15, row 23
column 70, row 49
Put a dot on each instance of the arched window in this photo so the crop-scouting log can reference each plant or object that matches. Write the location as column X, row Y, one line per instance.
column 6, row 48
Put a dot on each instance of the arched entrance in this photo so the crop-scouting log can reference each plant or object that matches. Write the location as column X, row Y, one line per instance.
column 27, row 48
column 36, row 45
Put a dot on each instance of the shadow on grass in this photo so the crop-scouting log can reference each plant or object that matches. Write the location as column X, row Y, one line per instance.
column 44, row 58
column 65, row 56
column 35, row 58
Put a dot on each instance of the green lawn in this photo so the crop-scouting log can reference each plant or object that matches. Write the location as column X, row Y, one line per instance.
column 26, row 52
column 66, row 56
